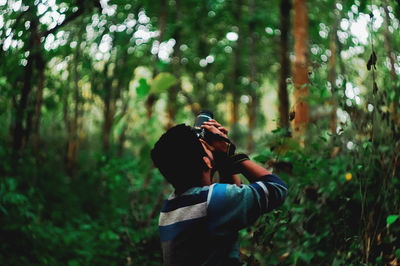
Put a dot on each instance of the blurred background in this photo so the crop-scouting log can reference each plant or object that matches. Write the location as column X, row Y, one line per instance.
column 309, row 89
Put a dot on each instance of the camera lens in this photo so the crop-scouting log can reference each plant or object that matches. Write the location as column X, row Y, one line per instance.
column 202, row 117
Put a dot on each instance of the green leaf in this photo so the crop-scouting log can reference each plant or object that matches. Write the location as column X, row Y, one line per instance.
column 73, row 263
column 143, row 89
column 3, row 210
column 397, row 252
column 261, row 158
column 391, row 219
column 366, row 145
column 304, row 85
column 162, row 82
column 3, row 81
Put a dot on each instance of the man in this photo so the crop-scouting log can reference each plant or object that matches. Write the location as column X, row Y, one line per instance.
column 199, row 222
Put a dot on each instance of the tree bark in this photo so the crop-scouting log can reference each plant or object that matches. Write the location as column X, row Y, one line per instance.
column 235, row 109
column 113, row 94
column 20, row 132
column 252, row 115
column 300, row 69
column 123, row 82
column 122, row 136
column 176, row 58
column 284, row 73
column 253, row 101
column 389, row 53
column 235, row 74
column 38, row 104
column 162, row 21
column 109, row 109
column 73, row 141
column 332, row 70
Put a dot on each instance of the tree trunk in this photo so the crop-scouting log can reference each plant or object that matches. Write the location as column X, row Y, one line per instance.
column 176, row 58
column 332, row 71
column 390, row 55
column 123, row 83
column 113, row 93
column 108, row 112
column 67, row 123
column 285, row 7
column 40, row 64
column 236, row 70
column 162, row 21
column 73, row 141
column 252, row 115
column 300, row 69
column 235, row 109
column 21, row 132
column 122, row 136
column 253, row 102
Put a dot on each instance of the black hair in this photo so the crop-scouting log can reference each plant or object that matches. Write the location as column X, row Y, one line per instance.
column 178, row 154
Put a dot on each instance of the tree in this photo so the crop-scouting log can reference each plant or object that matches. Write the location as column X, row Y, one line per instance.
column 285, row 7
column 332, row 69
column 390, row 55
column 34, row 48
column 300, row 68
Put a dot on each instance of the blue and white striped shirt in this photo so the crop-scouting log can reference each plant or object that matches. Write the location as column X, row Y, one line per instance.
column 200, row 226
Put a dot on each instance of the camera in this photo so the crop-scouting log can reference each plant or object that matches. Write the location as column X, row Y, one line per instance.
column 202, row 117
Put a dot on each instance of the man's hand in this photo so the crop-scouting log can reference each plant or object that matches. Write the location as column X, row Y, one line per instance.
column 216, row 128
column 249, row 169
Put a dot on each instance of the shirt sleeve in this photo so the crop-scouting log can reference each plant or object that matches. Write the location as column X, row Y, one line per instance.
column 231, row 208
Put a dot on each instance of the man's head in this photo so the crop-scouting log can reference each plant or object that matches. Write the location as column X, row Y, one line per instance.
column 181, row 157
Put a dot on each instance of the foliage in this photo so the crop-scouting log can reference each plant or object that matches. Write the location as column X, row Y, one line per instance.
column 87, row 87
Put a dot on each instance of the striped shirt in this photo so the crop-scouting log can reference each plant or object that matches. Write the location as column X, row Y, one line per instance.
column 200, row 226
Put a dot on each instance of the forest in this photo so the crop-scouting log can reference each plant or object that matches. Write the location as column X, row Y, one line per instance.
column 309, row 89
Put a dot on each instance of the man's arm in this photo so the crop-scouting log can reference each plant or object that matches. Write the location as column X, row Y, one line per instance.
column 231, row 208
column 253, row 171
column 248, row 168
column 235, row 207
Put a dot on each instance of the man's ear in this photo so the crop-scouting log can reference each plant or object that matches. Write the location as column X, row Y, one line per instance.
column 207, row 161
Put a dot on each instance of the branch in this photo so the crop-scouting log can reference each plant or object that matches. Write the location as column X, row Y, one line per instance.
column 190, row 100
column 65, row 22
column 12, row 29
column 72, row 17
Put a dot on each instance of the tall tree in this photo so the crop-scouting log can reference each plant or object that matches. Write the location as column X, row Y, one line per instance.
column 236, row 65
column 389, row 53
column 300, row 68
column 254, row 97
column 72, row 109
column 176, row 66
column 162, row 22
column 20, row 131
column 332, row 68
column 23, row 119
column 40, row 65
column 284, row 72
